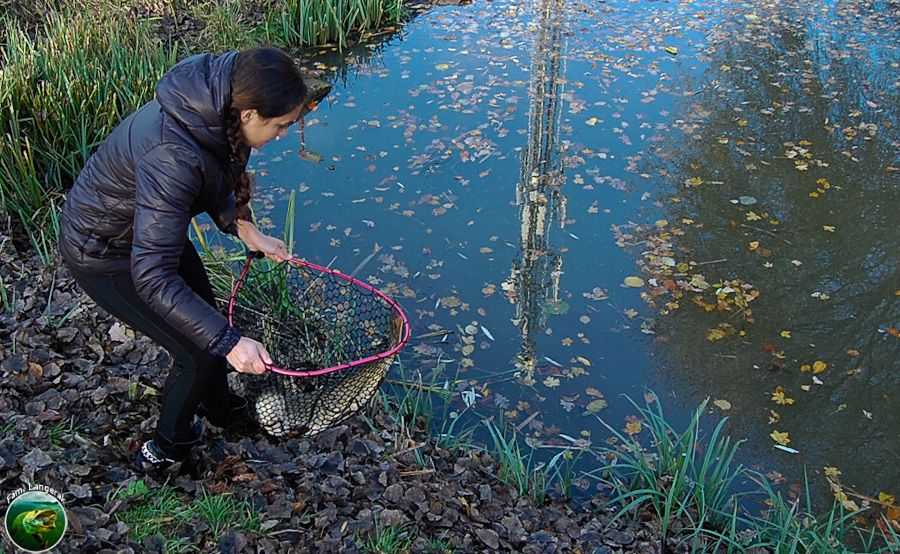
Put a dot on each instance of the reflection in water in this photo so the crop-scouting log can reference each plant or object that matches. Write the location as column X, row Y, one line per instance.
column 537, row 269
column 759, row 108
column 785, row 176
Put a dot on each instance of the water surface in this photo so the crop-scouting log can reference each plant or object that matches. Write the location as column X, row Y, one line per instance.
column 515, row 163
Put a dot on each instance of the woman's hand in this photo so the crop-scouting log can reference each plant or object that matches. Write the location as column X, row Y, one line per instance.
column 249, row 356
column 273, row 248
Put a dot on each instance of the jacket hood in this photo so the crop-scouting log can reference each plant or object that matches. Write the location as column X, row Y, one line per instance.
column 197, row 93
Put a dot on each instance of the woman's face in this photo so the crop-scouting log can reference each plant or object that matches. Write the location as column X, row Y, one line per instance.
column 257, row 131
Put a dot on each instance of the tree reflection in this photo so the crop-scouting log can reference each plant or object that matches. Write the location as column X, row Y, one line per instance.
column 537, row 269
column 782, row 171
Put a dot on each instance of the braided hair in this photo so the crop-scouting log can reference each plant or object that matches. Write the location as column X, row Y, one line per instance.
column 267, row 80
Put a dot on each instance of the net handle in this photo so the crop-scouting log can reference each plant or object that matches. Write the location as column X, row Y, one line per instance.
column 394, row 306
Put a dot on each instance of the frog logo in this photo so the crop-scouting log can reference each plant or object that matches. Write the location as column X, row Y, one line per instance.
column 35, row 521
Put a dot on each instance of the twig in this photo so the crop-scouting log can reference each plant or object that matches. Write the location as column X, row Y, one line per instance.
column 766, row 232
column 712, row 262
column 527, row 421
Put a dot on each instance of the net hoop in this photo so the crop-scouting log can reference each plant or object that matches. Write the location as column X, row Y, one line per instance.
column 395, row 309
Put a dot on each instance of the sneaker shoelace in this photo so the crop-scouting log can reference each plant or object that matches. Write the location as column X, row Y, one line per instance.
column 151, row 457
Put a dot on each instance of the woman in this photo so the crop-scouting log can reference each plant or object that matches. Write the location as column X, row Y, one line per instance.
column 124, row 225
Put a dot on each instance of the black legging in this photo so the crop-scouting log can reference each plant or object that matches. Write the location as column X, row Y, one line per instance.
column 196, row 376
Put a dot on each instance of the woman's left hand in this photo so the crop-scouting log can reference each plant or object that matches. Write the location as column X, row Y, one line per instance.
column 273, row 248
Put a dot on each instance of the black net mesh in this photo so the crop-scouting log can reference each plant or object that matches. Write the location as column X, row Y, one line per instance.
column 312, row 321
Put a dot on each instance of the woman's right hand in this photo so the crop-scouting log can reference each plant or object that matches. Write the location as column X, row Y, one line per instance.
column 249, row 356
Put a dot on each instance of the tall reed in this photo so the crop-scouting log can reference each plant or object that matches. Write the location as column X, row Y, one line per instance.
column 61, row 91
column 333, row 21
column 680, row 480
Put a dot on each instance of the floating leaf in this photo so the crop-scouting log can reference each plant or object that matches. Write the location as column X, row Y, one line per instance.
column 780, row 438
column 595, row 406
column 634, row 282
column 819, row 366
column 747, row 200
column 633, row 427
column 551, row 382
column 779, row 398
column 722, row 404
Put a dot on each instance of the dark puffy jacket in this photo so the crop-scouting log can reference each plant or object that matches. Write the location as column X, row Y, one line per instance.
column 130, row 207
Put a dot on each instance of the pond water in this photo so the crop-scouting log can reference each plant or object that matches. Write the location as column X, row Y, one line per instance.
column 519, row 166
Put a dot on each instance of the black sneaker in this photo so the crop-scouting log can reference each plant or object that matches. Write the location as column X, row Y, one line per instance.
column 223, row 418
column 151, row 459
column 159, row 454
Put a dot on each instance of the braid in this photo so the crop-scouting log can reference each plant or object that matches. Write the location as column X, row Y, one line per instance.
column 268, row 81
column 239, row 164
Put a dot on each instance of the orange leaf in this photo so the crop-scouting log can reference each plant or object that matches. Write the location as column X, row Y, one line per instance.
column 769, row 347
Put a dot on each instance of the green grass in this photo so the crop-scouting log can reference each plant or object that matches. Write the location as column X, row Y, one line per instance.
column 439, row 545
column 677, row 478
column 386, row 539
column 163, row 511
column 515, row 468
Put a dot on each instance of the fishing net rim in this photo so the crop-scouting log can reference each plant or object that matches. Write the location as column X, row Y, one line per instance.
column 395, row 308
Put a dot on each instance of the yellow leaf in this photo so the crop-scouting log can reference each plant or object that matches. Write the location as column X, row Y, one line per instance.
column 779, row 397
column 468, row 349
column 634, row 282
column 819, row 366
column 594, row 392
column 442, row 66
column 786, row 334
column 780, row 438
column 592, row 121
column 630, row 313
column 885, row 498
column 723, row 404
column 832, row 472
column 551, row 382
column 583, row 360
column 848, row 504
column 829, row 228
column 805, row 367
column 751, row 216
column 715, row 334
column 633, row 428
column 672, row 50
column 567, row 341
column 595, row 406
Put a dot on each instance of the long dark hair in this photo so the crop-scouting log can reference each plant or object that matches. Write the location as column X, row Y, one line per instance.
column 267, row 80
